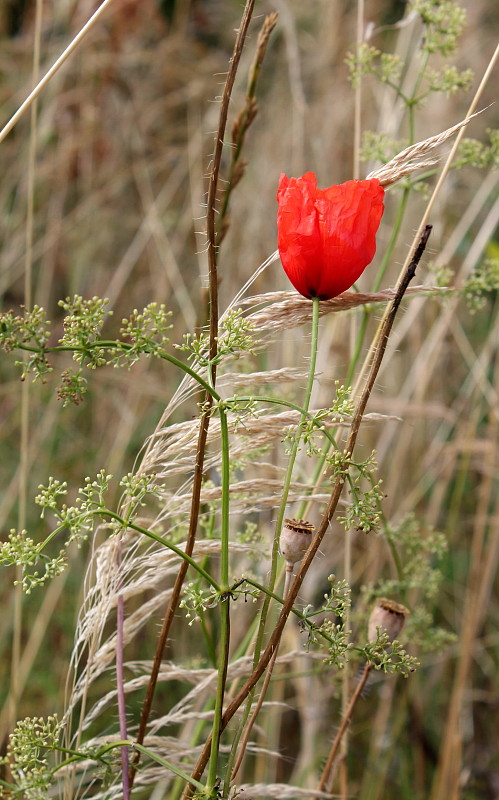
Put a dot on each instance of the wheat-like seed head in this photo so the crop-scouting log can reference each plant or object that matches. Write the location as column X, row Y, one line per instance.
column 414, row 158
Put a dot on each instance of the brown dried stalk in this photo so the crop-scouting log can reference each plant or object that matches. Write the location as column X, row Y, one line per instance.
column 243, row 122
column 390, row 617
column 381, row 343
column 205, row 419
column 344, row 724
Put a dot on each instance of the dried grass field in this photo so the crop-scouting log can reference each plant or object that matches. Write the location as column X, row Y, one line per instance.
column 168, row 400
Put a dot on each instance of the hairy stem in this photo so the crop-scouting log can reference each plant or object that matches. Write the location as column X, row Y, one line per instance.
column 205, row 418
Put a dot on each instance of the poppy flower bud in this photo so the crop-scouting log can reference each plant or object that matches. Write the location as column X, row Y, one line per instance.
column 327, row 237
column 295, row 539
column 388, row 615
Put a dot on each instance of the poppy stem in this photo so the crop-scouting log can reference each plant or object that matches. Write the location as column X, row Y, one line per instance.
column 294, row 451
column 304, row 417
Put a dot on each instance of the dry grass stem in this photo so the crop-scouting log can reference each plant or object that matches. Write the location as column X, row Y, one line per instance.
column 53, row 69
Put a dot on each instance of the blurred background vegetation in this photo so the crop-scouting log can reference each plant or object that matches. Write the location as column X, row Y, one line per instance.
column 125, row 134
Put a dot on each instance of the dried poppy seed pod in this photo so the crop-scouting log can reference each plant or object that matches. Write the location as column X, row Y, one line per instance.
column 295, row 539
column 388, row 615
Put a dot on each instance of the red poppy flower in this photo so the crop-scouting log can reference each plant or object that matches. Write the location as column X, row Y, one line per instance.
column 327, row 237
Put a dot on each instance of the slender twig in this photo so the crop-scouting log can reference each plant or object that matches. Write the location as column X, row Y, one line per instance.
column 323, row 783
column 382, row 341
column 213, row 180
column 243, row 121
column 205, row 417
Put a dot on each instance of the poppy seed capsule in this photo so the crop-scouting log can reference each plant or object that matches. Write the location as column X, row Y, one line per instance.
column 388, row 615
column 295, row 539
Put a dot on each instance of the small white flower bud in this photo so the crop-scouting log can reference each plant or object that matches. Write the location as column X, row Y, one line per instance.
column 388, row 615
column 295, row 539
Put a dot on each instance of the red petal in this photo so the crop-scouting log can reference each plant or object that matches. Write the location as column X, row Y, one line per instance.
column 327, row 237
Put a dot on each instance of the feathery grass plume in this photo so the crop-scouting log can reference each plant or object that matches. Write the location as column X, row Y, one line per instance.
column 413, row 158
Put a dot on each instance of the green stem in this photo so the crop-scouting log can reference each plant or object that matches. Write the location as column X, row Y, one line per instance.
column 296, row 444
column 289, row 472
column 105, row 512
column 223, row 656
column 224, row 563
column 393, row 239
column 365, row 318
column 291, row 462
column 280, row 518
column 116, row 344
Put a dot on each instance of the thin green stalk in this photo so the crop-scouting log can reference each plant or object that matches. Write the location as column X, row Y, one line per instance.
column 223, row 659
column 291, row 462
column 224, row 562
column 116, row 344
column 377, row 283
column 151, row 535
column 223, row 656
column 249, row 727
column 280, row 518
column 287, row 404
column 105, row 512
column 393, row 239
